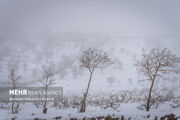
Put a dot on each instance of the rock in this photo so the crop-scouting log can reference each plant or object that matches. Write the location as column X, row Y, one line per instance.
column 100, row 117
column 156, row 118
column 93, row 118
column 169, row 117
column 57, row 118
column 37, row 119
column 122, row 117
column 110, row 118
column 73, row 118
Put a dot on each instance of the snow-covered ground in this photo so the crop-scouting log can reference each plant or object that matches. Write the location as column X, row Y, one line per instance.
column 63, row 53
column 54, row 33
column 128, row 110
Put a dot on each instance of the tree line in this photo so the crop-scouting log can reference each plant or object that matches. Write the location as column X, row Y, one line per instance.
column 155, row 64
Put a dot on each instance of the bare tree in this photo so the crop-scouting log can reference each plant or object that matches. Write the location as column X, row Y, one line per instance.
column 92, row 59
column 156, row 65
column 14, row 84
column 47, row 79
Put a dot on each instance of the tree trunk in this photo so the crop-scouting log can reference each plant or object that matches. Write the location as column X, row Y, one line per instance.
column 149, row 96
column 83, row 102
column 45, row 110
column 12, row 107
column 13, row 104
column 45, row 102
column 17, row 108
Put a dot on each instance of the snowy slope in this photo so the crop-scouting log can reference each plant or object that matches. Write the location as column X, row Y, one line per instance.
column 63, row 51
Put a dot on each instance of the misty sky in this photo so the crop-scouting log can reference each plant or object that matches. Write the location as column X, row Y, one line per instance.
column 153, row 23
column 24, row 19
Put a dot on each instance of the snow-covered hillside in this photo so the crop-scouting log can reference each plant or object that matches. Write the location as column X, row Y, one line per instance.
column 63, row 52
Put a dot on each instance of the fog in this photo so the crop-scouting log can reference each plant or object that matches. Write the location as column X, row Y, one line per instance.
column 37, row 27
column 54, row 33
column 25, row 19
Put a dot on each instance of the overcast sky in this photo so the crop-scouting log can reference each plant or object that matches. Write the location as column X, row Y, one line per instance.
column 149, row 21
column 132, row 18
